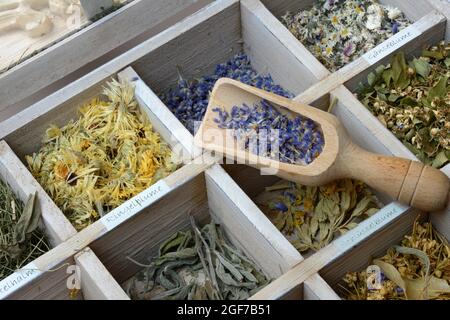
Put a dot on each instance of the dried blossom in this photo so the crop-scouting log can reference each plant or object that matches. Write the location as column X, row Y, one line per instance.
column 198, row 265
column 189, row 100
column 412, row 99
column 105, row 157
column 297, row 141
column 339, row 31
column 21, row 241
column 418, row 269
column 311, row 217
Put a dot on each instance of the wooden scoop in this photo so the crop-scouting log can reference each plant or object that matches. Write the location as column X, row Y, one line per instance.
column 409, row 182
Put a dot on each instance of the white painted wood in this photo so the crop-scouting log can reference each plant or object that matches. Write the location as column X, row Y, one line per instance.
column 286, row 39
column 413, row 9
column 162, row 118
column 83, row 47
column 249, row 227
column 89, row 85
column 369, row 228
column 96, row 282
column 432, row 28
column 443, row 6
column 315, row 288
column 272, row 50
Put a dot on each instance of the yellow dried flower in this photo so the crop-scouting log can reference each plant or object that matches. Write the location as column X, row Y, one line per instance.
column 105, row 157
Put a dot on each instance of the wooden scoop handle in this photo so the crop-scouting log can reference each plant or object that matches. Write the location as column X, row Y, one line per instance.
column 407, row 181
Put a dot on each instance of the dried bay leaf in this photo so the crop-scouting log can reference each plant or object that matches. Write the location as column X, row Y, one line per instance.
column 422, row 67
column 391, row 272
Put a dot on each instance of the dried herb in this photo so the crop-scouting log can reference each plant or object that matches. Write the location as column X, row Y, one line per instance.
column 339, row 31
column 105, row 157
column 189, row 100
column 412, row 99
column 21, row 241
column 198, row 265
column 418, row 269
column 267, row 132
column 311, row 217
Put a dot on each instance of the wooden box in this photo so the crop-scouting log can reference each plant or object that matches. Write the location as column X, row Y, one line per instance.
column 50, row 62
column 204, row 188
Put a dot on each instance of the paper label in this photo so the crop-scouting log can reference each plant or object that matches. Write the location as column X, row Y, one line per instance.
column 135, row 204
column 390, row 45
column 370, row 225
column 18, row 279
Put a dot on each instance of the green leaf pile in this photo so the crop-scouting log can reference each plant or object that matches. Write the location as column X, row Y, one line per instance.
column 197, row 265
column 412, row 99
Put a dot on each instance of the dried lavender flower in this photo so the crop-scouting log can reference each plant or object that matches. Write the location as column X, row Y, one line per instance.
column 296, row 141
column 189, row 100
column 339, row 31
column 412, row 99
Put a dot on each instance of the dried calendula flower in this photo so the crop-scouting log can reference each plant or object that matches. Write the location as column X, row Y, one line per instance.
column 21, row 240
column 339, row 31
column 198, row 265
column 418, row 269
column 311, row 217
column 412, row 99
column 105, row 157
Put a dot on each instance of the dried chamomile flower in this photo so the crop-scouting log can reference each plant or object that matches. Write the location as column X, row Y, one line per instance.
column 311, row 217
column 189, row 100
column 105, row 157
column 197, row 265
column 21, row 240
column 412, row 99
column 267, row 132
column 418, row 269
column 339, row 31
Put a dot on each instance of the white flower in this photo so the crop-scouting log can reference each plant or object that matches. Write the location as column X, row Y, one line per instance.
column 393, row 12
column 373, row 22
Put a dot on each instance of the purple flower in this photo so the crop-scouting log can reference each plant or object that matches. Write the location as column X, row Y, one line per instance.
column 348, row 50
column 280, row 206
column 188, row 100
column 394, row 27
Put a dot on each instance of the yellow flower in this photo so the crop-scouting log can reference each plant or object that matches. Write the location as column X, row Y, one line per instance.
column 103, row 158
column 61, row 170
column 334, row 20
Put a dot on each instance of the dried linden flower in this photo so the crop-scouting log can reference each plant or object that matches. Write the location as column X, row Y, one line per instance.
column 105, row 157
column 412, row 99
column 418, row 269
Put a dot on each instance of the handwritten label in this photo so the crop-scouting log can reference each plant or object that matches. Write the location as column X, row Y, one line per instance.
column 18, row 279
column 135, row 204
column 370, row 225
column 391, row 44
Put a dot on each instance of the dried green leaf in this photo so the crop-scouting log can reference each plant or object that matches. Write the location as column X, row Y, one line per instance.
column 433, row 54
column 422, row 67
column 391, row 272
column 439, row 90
column 28, row 221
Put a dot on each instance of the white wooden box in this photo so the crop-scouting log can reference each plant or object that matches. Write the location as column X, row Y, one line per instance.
column 64, row 55
column 194, row 46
